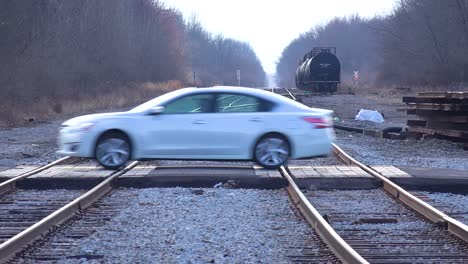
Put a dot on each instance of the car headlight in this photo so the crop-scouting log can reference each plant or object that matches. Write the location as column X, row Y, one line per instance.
column 85, row 127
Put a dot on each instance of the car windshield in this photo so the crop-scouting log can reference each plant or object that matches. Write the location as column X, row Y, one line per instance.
column 157, row 101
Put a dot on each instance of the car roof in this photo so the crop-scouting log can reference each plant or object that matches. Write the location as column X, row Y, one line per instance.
column 248, row 91
column 229, row 89
column 286, row 104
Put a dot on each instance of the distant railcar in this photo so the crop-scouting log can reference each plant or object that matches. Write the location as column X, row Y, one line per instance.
column 319, row 71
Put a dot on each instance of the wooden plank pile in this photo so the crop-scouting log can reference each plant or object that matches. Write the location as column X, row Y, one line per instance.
column 442, row 114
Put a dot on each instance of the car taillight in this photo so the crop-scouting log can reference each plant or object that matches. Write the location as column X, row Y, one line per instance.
column 318, row 122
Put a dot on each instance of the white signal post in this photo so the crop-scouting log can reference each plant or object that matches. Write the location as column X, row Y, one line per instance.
column 356, row 78
column 238, row 73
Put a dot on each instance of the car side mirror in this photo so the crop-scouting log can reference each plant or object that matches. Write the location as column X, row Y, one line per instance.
column 156, row 110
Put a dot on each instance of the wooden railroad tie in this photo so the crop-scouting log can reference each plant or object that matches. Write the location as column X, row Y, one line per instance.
column 440, row 114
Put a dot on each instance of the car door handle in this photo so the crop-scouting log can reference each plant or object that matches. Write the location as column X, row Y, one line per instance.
column 200, row 122
column 256, row 120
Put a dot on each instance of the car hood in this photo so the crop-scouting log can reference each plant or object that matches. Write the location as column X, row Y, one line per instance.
column 95, row 118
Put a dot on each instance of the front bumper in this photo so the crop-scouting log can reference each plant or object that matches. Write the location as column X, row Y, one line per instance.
column 74, row 144
column 71, row 149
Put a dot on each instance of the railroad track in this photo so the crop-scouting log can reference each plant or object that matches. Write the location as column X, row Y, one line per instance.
column 425, row 235
column 353, row 237
column 26, row 216
column 430, row 213
column 383, row 231
column 291, row 95
column 79, row 219
column 306, row 248
column 20, row 210
column 10, row 185
column 389, row 225
column 284, row 92
column 65, row 238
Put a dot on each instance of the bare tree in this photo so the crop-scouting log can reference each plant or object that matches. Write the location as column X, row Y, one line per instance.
column 216, row 59
column 421, row 42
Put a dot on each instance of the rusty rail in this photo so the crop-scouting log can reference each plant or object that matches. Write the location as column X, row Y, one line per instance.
column 435, row 216
column 291, row 95
column 340, row 248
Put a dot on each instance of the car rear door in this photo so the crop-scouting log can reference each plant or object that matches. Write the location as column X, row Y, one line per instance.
column 241, row 119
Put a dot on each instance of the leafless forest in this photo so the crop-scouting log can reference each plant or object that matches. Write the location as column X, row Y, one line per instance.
column 421, row 43
column 56, row 54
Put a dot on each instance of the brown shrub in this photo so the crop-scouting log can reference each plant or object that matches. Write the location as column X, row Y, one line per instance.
column 17, row 112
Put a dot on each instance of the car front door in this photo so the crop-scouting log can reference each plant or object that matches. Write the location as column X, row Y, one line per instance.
column 184, row 129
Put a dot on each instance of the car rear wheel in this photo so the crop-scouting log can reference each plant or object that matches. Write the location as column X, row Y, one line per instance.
column 113, row 150
column 272, row 151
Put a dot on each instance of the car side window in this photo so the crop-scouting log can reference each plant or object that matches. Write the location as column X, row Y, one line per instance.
column 197, row 103
column 238, row 103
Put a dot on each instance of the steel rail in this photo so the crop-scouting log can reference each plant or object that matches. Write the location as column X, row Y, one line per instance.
column 10, row 184
column 291, row 95
column 10, row 247
column 432, row 214
column 340, row 248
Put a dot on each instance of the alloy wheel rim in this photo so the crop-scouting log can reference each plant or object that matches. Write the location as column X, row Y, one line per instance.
column 272, row 151
column 113, row 152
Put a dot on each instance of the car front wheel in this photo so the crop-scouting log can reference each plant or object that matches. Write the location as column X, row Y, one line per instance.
column 272, row 151
column 113, row 150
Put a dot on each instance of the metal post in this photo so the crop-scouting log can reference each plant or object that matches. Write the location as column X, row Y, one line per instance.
column 194, row 79
column 238, row 73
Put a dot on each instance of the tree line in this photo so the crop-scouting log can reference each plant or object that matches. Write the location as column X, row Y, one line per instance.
column 60, row 49
column 421, row 42
column 216, row 59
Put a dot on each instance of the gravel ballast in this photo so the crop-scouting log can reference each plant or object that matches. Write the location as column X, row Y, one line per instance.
column 455, row 205
column 207, row 225
column 431, row 153
column 34, row 145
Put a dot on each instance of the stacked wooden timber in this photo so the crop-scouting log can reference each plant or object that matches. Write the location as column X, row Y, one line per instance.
column 442, row 114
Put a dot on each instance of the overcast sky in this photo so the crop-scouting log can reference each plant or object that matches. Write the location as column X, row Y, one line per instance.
column 270, row 25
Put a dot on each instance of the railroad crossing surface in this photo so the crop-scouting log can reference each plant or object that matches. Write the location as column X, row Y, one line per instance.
column 340, row 177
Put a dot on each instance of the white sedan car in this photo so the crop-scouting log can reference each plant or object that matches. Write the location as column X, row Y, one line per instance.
column 218, row 123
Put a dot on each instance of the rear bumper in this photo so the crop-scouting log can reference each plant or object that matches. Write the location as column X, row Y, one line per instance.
column 317, row 143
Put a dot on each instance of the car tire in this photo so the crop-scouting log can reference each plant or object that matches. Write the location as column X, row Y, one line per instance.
column 272, row 151
column 113, row 150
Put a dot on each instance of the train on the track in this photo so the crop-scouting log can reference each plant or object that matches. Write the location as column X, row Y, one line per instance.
column 319, row 71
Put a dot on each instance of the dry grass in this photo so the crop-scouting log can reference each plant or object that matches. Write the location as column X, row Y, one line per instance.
column 17, row 112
